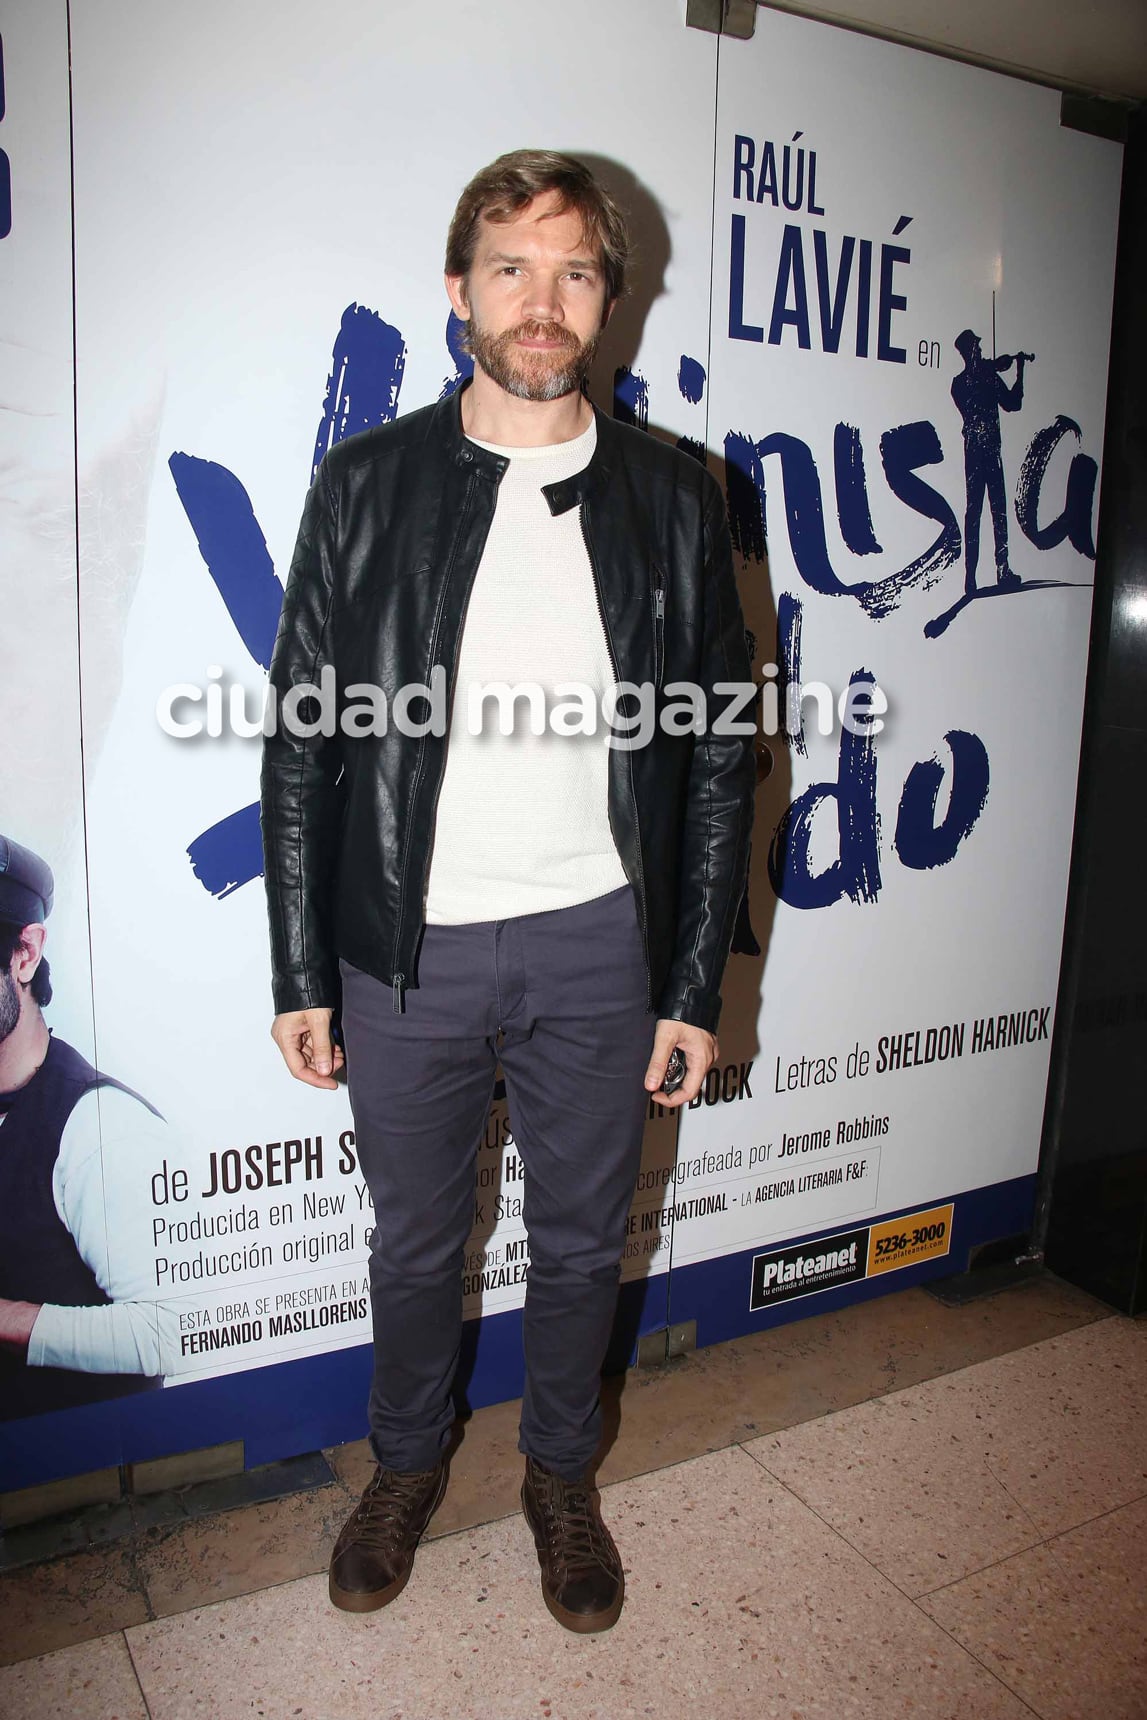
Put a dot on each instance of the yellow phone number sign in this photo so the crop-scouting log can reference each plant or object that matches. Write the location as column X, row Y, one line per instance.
column 905, row 1241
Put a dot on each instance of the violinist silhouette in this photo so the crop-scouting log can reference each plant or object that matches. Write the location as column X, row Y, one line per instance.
column 980, row 394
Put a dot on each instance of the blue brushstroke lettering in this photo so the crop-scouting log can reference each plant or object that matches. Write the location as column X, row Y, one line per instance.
column 367, row 365
column 232, row 544
column 1074, row 523
column 463, row 362
column 230, row 854
column 920, row 842
column 852, row 509
column 368, row 361
column 630, row 397
column 855, row 872
column 790, row 619
column 902, row 450
column 691, row 379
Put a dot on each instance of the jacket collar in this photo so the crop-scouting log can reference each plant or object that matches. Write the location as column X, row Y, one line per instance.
column 561, row 496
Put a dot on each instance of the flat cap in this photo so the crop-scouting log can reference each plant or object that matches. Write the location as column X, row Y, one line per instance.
column 26, row 885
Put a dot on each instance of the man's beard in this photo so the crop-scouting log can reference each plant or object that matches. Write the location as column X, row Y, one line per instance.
column 9, row 1005
column 533, row 375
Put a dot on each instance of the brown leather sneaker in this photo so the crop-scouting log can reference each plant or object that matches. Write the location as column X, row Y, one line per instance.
column 582, row 1580
column 374, row 1555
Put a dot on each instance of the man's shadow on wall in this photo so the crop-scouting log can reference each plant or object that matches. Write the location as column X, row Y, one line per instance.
column 652, row 254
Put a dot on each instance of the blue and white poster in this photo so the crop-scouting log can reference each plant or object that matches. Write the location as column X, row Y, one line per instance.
column 912, row 278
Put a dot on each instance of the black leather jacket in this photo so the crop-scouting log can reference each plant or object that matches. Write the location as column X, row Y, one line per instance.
column 391, row 538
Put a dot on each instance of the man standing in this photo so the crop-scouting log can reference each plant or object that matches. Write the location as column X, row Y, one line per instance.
column 980, row 394
column 551, row 900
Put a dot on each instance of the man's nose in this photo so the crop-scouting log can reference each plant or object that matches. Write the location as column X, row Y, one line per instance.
column 543, row 301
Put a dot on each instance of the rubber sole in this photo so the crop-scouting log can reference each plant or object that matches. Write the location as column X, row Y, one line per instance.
column 586, row 1624
column 351, row 1600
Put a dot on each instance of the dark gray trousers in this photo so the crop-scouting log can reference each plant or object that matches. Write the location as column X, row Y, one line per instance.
column 560, row 999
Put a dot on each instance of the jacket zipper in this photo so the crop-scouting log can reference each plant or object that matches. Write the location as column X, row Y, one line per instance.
column 640, row 881
column 658, row 626
column 398, row 984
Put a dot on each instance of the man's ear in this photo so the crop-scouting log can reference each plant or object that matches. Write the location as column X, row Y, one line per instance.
column 610, row 307
column 456, row 292
column 26, row 958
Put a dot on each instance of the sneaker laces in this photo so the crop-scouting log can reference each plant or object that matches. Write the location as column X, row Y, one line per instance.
column 388, row 1504
column 577, row 1538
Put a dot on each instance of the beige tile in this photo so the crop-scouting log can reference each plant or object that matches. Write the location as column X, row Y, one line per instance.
column 792, row 1374
column 211, row 1558
column 1067, row 1421
column 905, row 1485
column 70, row 1600
column 904, row 1337
column 93, row 1682
column 737, row 1597
column 1064, row 1624
column 936, row 1481
column 1061, row 1425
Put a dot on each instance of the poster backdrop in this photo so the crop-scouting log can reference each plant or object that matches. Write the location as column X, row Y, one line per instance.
column 912, row 275
column 836, row 282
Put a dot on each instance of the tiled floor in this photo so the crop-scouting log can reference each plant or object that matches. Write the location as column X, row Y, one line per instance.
column 903, row 1509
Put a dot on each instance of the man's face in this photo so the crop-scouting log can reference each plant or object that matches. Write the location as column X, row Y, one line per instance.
column 19, row 973
column 534, row 300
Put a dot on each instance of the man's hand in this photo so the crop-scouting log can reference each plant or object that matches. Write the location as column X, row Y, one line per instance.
column 699, row 1050
column 304, row 1038
column 16, row 1322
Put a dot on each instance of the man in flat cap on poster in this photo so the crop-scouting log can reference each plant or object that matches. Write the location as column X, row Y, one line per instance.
column 78, row 1322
